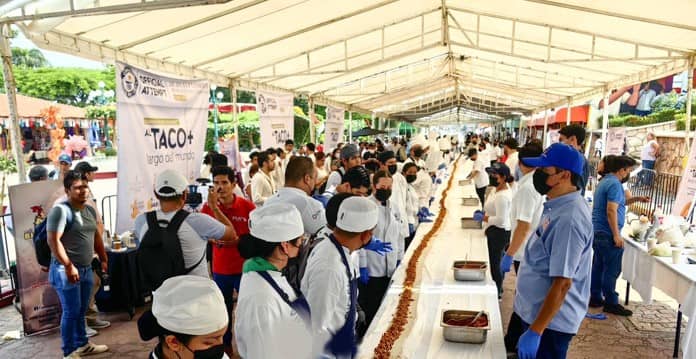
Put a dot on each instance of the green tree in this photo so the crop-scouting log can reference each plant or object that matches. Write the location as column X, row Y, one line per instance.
column 29, row 58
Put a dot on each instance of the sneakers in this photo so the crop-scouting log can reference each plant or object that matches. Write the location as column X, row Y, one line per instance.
column 73, row 355
column 98, row 323
column 90, row 349
column 617, row 309
column 90, row 332
column 596, row 303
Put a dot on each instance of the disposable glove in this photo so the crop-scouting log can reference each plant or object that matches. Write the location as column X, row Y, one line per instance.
column 505, row 264
column 442, row 166
column 438, row 181
column 528, row 345
column 424, row 219
column 364, row 276
column 379, row 247
column 478, row 216
column 322, row 199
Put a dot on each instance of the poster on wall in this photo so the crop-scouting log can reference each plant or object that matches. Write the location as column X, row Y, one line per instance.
column 554, row 136
column 161, row 125
column 333, row 128
column 687, row 185
column 30, row 204
column 229, row 148
column 276, row 117
column 615, row 141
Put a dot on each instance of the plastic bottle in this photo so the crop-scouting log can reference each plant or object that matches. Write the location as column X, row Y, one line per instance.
column 658, row 215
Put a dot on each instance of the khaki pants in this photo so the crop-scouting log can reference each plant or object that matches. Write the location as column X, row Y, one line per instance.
column 92, row 311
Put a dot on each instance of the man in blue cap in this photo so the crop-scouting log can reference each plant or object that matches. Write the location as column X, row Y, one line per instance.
column 553, row 285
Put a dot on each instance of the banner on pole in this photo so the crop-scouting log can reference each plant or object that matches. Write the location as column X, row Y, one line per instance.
column 161, row 125
column 687, row 185
column 276, row 117
column 333, row 128
column 616, row 137
column 30, row 204
column 229, row 148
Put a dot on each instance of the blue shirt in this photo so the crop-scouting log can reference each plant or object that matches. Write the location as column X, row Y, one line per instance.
column 608, row 190
column 560, row 247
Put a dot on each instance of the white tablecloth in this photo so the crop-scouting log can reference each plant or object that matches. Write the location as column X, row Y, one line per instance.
column 678, row 281
column 436, row 290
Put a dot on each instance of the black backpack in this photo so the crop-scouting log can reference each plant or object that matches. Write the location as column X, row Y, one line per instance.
column 40, row 237
column 295, row 269
column 159, row 254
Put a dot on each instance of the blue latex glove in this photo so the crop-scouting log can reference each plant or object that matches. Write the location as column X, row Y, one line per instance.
column 528, row 345
column 438, row 181
column 424, row 219
column 321, row 198
column 478, row 216
column 423, row 212
column 398, row 262
column 411, row 228
column 364, row 276
column 505, row 264
column 442, row 166
column 379, row 247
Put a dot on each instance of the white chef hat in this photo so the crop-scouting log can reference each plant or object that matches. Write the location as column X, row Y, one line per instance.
column 276, row 222
column 190, row 305
column 357, row 214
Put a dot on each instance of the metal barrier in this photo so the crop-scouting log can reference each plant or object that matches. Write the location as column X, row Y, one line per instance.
column 109, row 216
column 660, row 187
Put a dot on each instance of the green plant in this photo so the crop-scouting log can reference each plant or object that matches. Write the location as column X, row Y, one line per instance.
column 8, row 164
column 108, row 152
column 617, row 122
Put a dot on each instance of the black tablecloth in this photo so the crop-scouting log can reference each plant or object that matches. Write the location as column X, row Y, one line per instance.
column 126, row 289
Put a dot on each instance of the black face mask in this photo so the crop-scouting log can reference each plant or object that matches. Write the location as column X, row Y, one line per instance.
column 411, row 178
column 383, row 195
column 494, row 181
column 418, row 153
column 539, row 179
column 215, row 352
column 392, row 169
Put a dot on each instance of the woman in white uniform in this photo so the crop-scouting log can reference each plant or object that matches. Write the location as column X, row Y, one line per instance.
column 272, row 320
column 189, row 317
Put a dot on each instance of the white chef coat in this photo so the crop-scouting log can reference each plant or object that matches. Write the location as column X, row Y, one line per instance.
column 497, row 207
column 512, row 161
column 527, row 205
column 412, row 205
column 262, row 187
column 444, row 144
column 481, row 179
column 434, row 158
column 422, row 184
column 311, row 210
column 278, row 173
column 326, row 288
column 386, row 231
column 265, row 325
column 398, row 201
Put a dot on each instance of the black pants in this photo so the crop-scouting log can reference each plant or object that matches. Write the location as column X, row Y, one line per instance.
column 498, row 240
column 370, row 296
column 514, row 332
column 481, row 193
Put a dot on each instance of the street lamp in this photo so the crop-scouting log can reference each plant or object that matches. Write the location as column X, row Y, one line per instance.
column 216, row 97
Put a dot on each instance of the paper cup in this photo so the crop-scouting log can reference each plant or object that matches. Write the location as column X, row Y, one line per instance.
column 676, row 255
column 652, row 243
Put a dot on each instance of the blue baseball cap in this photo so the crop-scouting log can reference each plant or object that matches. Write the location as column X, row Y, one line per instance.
column 65, row 158
column 499, row 168
column 559, row 155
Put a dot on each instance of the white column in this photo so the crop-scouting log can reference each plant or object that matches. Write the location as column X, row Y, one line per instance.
column 546, row 128
column 350, row 126
column 11, row 91
column 605, row 120
column 689, row 97
column 568, row 112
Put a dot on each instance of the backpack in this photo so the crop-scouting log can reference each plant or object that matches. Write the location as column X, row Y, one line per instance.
column 40, row 237
column 159, row 255
column 295, row 269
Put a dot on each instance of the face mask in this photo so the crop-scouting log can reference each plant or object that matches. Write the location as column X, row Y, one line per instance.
column 383, row 195
column 215, row 352
column 418, row 153
column 539, row 179
column 494, row 181
column 410, row 178
column 392, row 169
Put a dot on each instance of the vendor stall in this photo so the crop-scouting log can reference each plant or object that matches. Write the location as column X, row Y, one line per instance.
column 435, row 289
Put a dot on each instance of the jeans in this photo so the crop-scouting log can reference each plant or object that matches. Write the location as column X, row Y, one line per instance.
column 228, row 284
column 606, row 267
column 553, row 345
column 74, row 299
column 646, row 177
column 498, row 239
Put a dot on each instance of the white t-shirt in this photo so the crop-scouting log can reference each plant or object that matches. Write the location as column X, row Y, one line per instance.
column 194, row 234
column 648, row 153
column 512, row 161
column 497, row 207
column 481, row 178
column 527, row 205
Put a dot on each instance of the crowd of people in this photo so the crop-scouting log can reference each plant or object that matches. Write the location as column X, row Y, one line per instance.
column 300, row 246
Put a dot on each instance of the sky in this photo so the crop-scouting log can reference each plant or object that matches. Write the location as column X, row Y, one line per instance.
column 56, row 59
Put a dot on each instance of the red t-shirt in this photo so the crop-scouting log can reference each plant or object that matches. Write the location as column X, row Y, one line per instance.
column 227, row 260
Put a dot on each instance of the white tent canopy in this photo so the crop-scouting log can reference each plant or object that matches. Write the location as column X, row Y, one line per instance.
column 403, row 59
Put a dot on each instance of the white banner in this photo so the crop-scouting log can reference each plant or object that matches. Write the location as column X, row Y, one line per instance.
column 687, row 186
column 276, row 117
column 333, row 128
column 615, row 141
column 554, row 136
column 161, row 125
column 229, row 148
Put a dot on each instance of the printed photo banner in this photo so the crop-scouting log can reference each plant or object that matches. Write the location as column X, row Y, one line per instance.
column 615, row 141
column 554, row 136
column 333, row 128
column 229, row 148
column 687, row 186
column 30, row 204
column 276, row 117
column 161, row 125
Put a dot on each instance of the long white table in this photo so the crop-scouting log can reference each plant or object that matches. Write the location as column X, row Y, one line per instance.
column 436, row 290
column 678, row 281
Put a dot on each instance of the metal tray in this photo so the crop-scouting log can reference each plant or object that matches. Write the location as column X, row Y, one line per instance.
column 459, row 334
column 464, row 182
column 469, row 223
column 467, row 275
column 470, row 201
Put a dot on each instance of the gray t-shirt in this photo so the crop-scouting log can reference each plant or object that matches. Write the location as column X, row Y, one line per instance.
column 79, row 239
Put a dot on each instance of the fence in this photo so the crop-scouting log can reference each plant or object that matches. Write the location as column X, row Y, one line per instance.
column 108, row 212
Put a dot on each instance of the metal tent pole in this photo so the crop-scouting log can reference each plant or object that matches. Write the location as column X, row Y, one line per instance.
column 11, row 91
column 311, row 120
column 689, row 97
column 605, row 120
column 350, row 126
column 546, row 128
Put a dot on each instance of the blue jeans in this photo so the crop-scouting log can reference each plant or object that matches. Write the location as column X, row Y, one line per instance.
column 646, row 177
column 228, row 283
column 606, row 267
column 74, row 298
column 553, row 345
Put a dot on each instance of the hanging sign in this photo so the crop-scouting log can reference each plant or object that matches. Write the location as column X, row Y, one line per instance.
column 161, row 125
column 615, row 141
column 333, row 128
column 687, row 185
column 276, row 116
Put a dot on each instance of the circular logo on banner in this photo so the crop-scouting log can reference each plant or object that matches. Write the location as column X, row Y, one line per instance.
column 129, row 82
